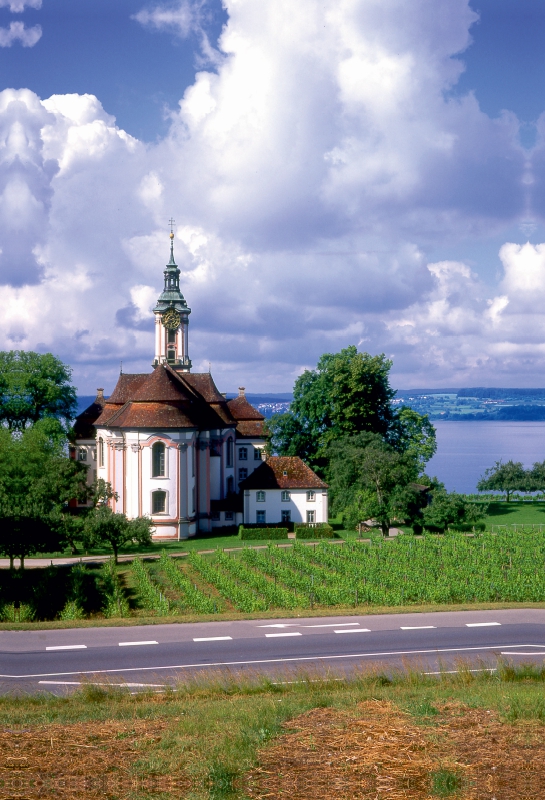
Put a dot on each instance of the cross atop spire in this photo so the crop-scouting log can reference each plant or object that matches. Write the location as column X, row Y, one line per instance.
column 172, row 223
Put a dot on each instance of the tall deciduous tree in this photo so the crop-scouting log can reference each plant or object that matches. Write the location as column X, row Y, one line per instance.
column 370, row 480
column 34, row 386
column 37, row 480
column 347, row 393
column 415, row 435
column 505, row 477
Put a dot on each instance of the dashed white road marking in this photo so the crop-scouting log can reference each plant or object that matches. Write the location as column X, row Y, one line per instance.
column 481, row 624
column 212, row 638
column 289, row 633
column 416, row 627
column 353, row 630
column 67, row 647
column 331, row 625
column 129, row 644
column 300, row 625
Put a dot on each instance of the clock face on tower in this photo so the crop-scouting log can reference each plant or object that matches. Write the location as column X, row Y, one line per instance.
column 171, row 319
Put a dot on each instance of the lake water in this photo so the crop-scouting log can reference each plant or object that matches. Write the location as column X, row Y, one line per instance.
column 466, row 449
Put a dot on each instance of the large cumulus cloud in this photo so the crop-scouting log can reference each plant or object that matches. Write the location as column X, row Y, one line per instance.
column 310, row 173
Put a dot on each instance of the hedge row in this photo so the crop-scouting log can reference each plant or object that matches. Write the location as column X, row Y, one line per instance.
column 322, row 530
column 262, row 533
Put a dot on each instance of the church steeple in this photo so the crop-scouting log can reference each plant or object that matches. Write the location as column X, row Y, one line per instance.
column 172, row 319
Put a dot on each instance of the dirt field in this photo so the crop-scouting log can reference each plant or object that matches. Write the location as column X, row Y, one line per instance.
column 380, row 752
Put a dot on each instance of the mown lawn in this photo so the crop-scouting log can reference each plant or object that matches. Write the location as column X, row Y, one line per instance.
column 516, row 513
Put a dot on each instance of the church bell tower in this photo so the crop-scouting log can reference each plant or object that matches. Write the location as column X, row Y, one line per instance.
column 172, row 320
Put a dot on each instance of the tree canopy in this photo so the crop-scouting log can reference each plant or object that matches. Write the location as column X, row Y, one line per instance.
column 449, row 509
column 347, row 394
column 369, row 479
column 507, row 477
column 34, row 386
column 37, row 481
column 103, row 527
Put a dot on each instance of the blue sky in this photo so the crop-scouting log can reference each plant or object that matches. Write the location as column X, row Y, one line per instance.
column 355, row 171
column 94, row 46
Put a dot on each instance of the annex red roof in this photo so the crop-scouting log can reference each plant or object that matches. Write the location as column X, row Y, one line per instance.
column 283, row 472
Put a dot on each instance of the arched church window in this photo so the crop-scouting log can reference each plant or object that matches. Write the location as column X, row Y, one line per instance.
column 172, row 337
column 101, row 452
column 158, row 502
column 158, row 460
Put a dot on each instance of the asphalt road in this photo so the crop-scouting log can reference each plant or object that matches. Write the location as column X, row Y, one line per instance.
column 152, row 655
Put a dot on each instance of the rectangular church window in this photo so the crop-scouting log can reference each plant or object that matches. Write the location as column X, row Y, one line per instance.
column 159, row 502
column 158, row 460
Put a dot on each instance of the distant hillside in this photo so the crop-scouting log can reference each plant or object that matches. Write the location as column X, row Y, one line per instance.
column 465, row 404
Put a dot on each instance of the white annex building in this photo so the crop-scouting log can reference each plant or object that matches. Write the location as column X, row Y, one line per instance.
column 175, row 449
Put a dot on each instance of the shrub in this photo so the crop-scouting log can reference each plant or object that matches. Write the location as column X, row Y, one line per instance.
column 262, row 533
column 321, row 530
column 72, row 611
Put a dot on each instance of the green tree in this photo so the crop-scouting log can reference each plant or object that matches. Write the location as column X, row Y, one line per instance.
column 369, row 479
column 449, row 509
column 37, row 481
column 34, row 386
column 347, row 393
column 104, row 528
column 509, row 477
column 536, row 477
column 415, row 435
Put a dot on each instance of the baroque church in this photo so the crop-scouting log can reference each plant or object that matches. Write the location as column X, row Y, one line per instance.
column 173, row 448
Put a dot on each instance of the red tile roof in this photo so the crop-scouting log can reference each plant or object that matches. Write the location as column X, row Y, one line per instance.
column 107, row 413
column 241, row 409
column 126, row 386
column 204, row 384
column 283, row 472
column 250, row 430
column 165, row 400
column 162, row 386
column 155, row 415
